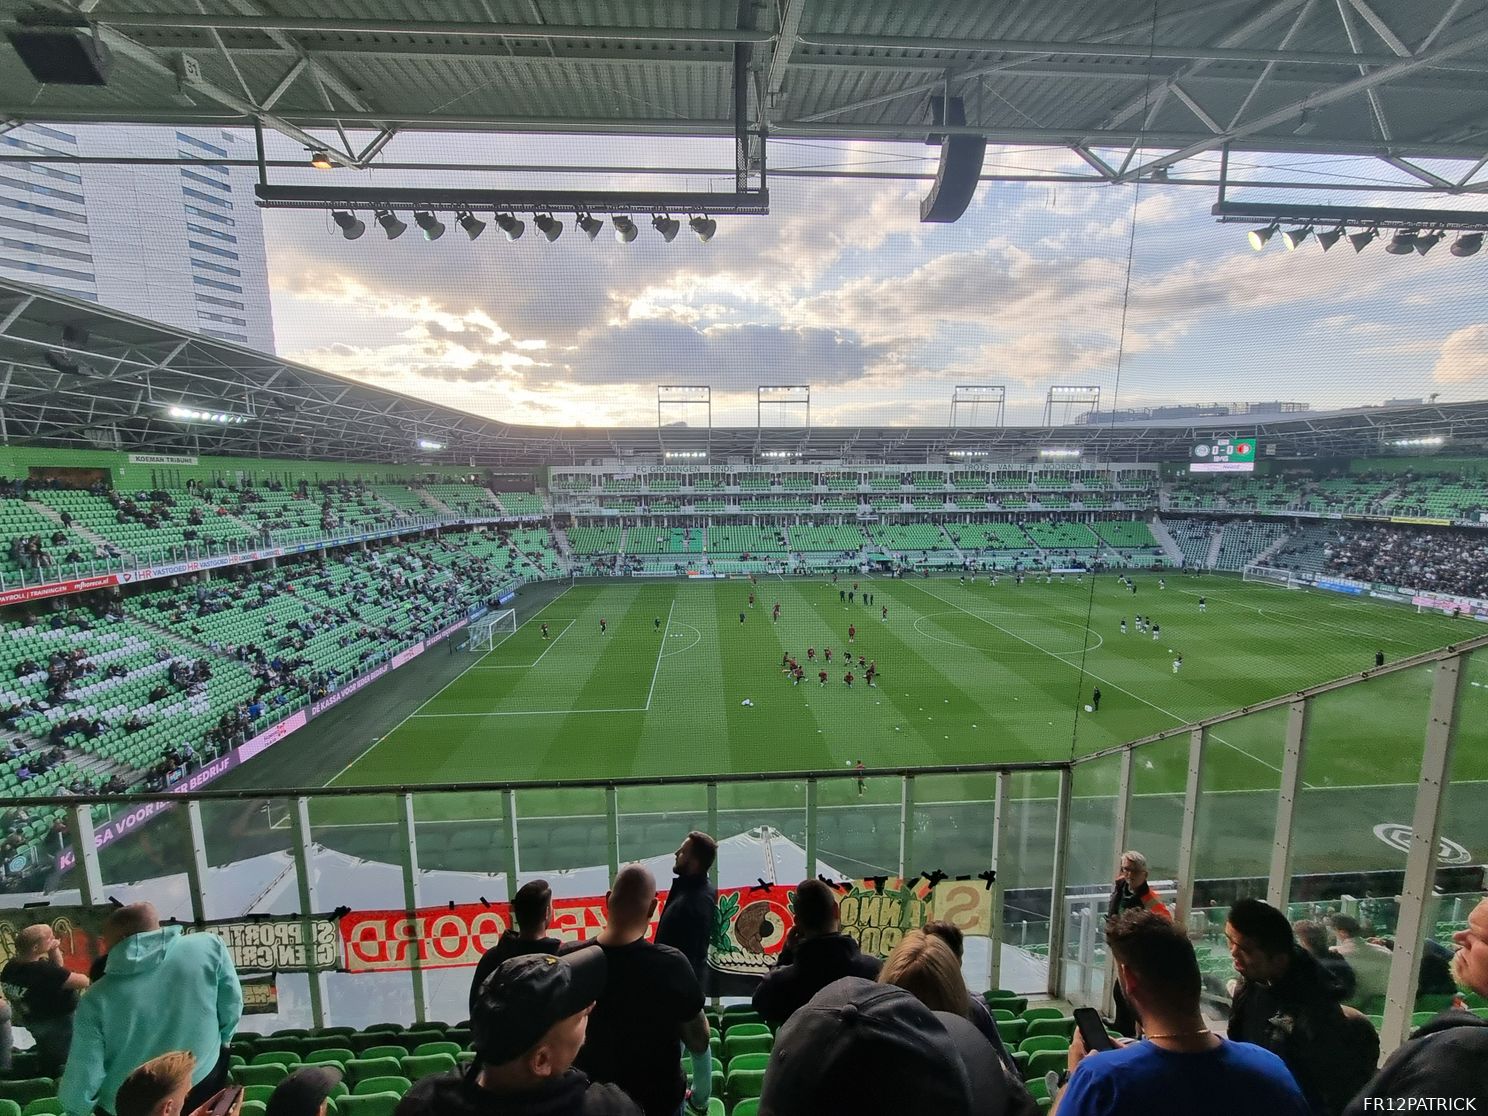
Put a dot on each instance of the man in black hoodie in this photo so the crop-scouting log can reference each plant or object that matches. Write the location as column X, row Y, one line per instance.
column 1287, row 1003
column 816, row 953
column 532, row 910
column 529, row 1022
column 1445, row 1058
column 687, row 919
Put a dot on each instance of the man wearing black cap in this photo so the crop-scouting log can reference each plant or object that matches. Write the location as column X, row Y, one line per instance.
column 304, row 1092
column 651, row 999
column 868, row 1049
column 532, row 910
column 529, row 1022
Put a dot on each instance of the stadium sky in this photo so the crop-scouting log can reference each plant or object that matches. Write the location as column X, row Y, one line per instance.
column 841, row 287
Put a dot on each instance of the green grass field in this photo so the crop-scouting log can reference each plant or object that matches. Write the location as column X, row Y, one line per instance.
column 970, row 673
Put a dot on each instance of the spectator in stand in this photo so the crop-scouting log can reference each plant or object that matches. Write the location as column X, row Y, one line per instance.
column 529, row 1024
column 872, row 1049
column 687, row 919
column 157, row 1088
column 650, row 1000
column 532, row 909
column 1180, row 1066
column 1443, row 1060
column 44, row 994
column 1285, row 1002
column 1131, row 892
column 815, row 954
column 1313, row 937
column 1369, row 963
column 165, row 990
column 304, row 1092
column 927, row 965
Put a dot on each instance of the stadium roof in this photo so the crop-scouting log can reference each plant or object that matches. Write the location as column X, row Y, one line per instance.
column 73, row 374
column 1397, row 79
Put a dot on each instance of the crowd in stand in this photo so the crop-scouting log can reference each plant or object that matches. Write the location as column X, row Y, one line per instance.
column 1444, row 561
column 594, row 1028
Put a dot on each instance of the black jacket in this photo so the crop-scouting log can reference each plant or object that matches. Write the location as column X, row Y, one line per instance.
column 1445, row 1058
column 687, row 920
column 816, row 963
column 511, row 944
column 456, row 1093
column 1300, row 1020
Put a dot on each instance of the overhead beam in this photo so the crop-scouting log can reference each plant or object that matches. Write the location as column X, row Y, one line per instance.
column 790, row 26
column 1381, row 28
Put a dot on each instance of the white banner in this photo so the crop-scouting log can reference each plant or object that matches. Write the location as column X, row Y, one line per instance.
column 161, row 459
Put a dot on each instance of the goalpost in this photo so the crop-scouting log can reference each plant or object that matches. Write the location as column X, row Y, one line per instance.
column 490, row 631
column 1270, row 575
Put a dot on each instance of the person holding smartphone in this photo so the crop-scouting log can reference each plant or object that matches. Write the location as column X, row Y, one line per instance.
column 1180, row 1067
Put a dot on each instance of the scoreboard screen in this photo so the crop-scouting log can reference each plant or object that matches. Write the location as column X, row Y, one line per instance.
column 1224, row 455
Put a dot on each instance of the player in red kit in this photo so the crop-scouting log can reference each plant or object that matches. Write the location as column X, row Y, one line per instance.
column 751, row 600
column 827, row 652
column 821, row 676
column 848, row 678
column 885, row 614
column 810, row 654
column 775, row 613
column 852, row 633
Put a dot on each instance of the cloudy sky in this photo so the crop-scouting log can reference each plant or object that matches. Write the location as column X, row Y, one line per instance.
column 841, row 287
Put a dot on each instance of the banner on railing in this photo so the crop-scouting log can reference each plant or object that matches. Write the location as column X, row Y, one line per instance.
column 749, row 931
column 255, row 945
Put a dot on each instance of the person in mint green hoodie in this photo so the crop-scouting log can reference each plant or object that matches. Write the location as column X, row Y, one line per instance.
column 162, row 990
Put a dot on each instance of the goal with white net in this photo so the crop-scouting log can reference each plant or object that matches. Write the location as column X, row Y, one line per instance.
column 1270, row 575
column 489, row 632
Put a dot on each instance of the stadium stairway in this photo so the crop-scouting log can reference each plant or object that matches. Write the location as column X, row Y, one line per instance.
column 425, row 494
column 1261, row 558
column 1211, row 560
column 560, row 542
column 1164, row 537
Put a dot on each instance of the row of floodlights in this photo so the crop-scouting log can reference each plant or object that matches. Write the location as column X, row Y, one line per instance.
column 190, row 414
column 550, row 228
column 1403, row 243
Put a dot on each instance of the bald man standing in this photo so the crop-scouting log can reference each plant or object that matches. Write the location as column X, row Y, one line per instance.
column 650, row 1000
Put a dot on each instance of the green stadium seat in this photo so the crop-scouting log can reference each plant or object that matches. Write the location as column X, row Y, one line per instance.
column 283, row 1057
column 743, row 1085
column 1031, row 1014
column 1002, row 1014
column 9, row 1107
column 332, row 1055
column 270, row 1074
column 27, row 1089
column 741, row 1030
column 256, row 1108
column 749, row 1061
column 1042, row 1061
column 377, row 1104
column 373, row 1085
column 1013, row 1031
column 748, row 1107
column 735, row 1044
column 258, row 1092
column 386, row 1050
column 426, row 1048
column 361, row 1069
column 1043, row 1042
column 416, row 1066
column 42, row 1106
column 1064, row 1028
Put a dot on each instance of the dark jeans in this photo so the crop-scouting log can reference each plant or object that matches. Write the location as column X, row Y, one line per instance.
column 53, row 1040
column 209, row 1086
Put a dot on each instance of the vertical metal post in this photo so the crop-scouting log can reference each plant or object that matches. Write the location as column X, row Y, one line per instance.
column 1057, row 882
column 306, row 885
column 999, row 845
column 713, row 827
column 906, row 824
column 1420, row 862
column 408, row 846
column 511, row 863
column 1121, row 835
column 612, row 829
column 1190, row 824
column 1279, row 884
column 811, row 841
column 90, row 882
column 196, row 859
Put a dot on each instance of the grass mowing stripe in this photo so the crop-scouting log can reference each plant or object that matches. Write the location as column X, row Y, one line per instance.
column 661, row 651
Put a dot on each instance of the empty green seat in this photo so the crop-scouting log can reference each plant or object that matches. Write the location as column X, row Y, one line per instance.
column 283, row 1057
column 742, row 1030
column 27, row 1089
column 361, row 1069
column 749, row 1061
column 370, row 1086
column 743, row 1085
column 1031, row 1014
column 1043, row 1042
column 735, row 1044
column 269, row 1074
column 416, row 1066
column 1043, row 1061
column 747, row 1108
column 444, row 1047
column 43, row 1106
column 254, row 1108
column 1063, row 1028
column 258, row 1093
column 338, row 1055
column 378, row 1104
column 386, row 1050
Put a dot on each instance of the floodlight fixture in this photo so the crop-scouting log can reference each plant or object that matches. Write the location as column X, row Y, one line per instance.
column 1402, row 243
column 1361, row 240
column 1468, row 244
column 426, row 444
column 472, row 224
column 350, row 224
column 550, row 227
column 1425, row 243
column 509, row 224
column 1293, row 237
column 320, row 160
column 1057, row 451
column 1327, row 239
column 589, row 225
column 1432, row 440
column 192, row 414
column 433, row 227
column 390, row 223
column 667, row 226
column 1258, row 237
column 625, row 228
column 704, row 226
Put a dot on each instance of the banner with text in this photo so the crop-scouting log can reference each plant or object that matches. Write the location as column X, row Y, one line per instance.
column 749, row 930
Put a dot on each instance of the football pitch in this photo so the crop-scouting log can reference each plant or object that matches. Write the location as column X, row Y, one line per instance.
column 968, row 673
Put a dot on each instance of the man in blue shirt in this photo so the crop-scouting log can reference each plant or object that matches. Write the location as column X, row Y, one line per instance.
column 1181, row 1067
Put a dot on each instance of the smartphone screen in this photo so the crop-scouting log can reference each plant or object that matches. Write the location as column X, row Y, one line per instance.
column 1092, row 1030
